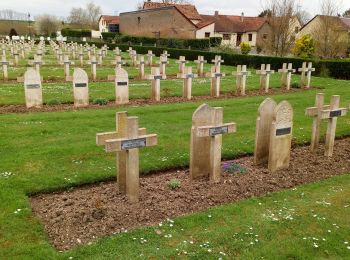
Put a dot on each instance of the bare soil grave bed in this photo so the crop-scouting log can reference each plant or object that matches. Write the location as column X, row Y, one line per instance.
column 6, row 109
column 82, row 214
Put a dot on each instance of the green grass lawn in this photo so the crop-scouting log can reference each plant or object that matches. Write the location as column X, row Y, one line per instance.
column 13, row 93
column 50, row 151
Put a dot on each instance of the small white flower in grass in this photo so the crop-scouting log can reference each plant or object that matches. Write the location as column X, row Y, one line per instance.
column 304, row 238
column 160, row 224
column 329, row 231
column 348, row 247
column 209, row 216
column 346, row 242
column 222, row 253
column 315, row 245
column 171, row 225
column 209, row 250
column 170, row 235
column 191, row 242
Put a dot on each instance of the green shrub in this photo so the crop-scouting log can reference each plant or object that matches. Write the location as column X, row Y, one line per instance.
column 100, row 101
column 304, row 47
column 245, row 48
column 174, row 184
column 54, row 102
column 295, row 85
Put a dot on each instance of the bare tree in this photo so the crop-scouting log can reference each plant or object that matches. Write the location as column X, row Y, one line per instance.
column 46, row 24
column 329, row 33
column 93, row 13
column 85, row 16
column 281, row 16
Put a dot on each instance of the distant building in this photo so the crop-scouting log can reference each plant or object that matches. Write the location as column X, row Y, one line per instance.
column 108, row 23
column 331, row 34
column 162, row 20
column 235, row 29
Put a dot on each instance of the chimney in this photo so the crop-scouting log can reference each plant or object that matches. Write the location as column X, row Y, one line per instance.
column 216, row 13
column 242, row 17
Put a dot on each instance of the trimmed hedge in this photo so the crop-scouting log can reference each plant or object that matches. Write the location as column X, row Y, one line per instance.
column 75, row 33
column 334, row 68
column 109, row 35
column 198, row 44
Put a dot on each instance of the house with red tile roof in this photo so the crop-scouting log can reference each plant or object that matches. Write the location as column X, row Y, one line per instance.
column 108, row 23
column 331, row 35
column 163, row 20
column 235, row 29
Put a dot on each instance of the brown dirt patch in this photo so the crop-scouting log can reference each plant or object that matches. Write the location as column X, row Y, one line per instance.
column 80, row 215
column 6, row 109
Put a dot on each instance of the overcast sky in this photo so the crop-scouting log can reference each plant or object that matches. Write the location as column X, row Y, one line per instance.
column 62, row 7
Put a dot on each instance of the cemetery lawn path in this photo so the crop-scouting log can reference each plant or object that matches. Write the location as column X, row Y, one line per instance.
column 56, row 150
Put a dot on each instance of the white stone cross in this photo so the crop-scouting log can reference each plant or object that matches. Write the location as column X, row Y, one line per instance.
column 306, row 74
column 162, row 64
column 5, row 65
column 200, row 67
column 155, row 77
column 217, row 62
column 332, row 115
column 182, row 63
column 206, row 142
column 126, row 142
column 66, row 63
column 215, row 81
column 93, row 63
column 150, row 58
column 286, row 71
column 141, row 63
column 265, row 74
column 241, row 78
column 187, row 76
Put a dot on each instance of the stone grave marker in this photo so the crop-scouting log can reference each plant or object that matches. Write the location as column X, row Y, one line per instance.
column 281, row 137
column 163, row 62
column 126, row 142
column 100, row 56
column 241, row 79
column 316, row 114
column 118, row 62
column 286, row 72
column 332, row 115
column 133, row 56
column 32, row 88
column 93, row 62
column 206, row 141
column 155, row 78
column 81, row 57
column 141, row 64
column 263, row 131
column 265, row 74
column 37, row 63
column 66, row 64
column 5, row 65
column 150, row 58
column 200, row 67
column 187, row 76
column 306, row 71
column 217, row 62
column 215, row 81
column 182, row 64
column 121, row 86
column 80, row 88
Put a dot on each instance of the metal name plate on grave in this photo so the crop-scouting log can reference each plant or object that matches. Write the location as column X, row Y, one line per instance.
column 335, row 113
column 132, row 144
column 218, row 130
column 190, row 76
column 218, row 74
column 283, row 131
column 158, row 77
column 33, row 86
column 80, row 85
column 245, row 73
column 122, row 83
